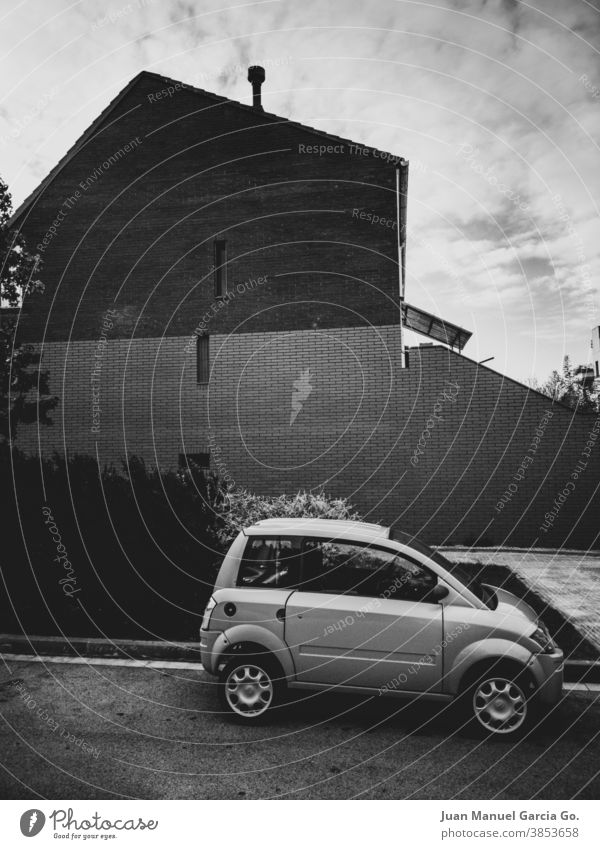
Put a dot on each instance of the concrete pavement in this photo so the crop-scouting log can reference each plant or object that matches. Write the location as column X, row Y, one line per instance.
column 568, row 581
column 110, row 730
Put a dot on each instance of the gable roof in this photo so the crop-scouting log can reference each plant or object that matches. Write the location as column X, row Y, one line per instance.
column 102, row 121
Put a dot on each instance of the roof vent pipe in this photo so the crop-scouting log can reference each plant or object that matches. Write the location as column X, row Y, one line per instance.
column 256, row 76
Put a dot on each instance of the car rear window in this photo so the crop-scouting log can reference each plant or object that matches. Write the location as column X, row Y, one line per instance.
column 270, row 562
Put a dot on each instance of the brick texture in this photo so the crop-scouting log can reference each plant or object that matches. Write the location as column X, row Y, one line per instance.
column 355, row 434
column 140, row 235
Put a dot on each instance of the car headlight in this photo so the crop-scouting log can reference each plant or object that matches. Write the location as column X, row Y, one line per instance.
column 207, row 612
column 542, row 637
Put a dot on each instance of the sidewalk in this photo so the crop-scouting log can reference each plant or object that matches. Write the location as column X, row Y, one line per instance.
column 569, row 582
column 583, row 689
column 143, row 650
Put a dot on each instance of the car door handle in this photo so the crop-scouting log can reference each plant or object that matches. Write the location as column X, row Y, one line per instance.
column 299, row 616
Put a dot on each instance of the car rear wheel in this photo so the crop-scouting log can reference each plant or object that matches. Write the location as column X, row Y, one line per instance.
column 248, row 688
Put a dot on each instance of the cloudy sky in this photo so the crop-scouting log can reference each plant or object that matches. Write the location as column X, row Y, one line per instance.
column 496, row 104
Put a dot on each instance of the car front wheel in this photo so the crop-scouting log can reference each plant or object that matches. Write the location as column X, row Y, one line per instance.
column 248, row 687
column 499, row 704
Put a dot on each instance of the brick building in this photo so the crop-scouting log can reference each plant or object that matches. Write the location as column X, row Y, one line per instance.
column 216, row 287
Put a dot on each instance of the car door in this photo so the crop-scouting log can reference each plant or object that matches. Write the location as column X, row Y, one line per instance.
column 361, row 619
column 269, row 570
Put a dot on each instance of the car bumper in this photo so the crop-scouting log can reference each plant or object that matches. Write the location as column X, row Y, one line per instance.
column 548, row 670
column 207, row 654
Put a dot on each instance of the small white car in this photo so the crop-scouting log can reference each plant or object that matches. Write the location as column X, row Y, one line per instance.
column 356, row 607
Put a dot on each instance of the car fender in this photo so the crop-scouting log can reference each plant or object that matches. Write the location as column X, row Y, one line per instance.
column 486, row 649
column 259, row 636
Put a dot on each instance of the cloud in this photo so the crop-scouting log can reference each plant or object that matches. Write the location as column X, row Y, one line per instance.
column 511, row 228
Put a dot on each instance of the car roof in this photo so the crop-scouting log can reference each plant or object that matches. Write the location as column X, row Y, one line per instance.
column 330, row 528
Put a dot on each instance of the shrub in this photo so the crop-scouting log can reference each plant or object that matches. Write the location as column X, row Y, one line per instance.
column 124, row 552
column 129, row 552
column 241, row 508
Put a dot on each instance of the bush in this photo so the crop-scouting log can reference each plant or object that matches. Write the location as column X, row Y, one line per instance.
column 129, row 552
column 96, row 552
column 242, row 508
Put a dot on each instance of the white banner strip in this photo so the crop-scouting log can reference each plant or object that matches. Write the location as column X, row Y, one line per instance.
column 292, row 825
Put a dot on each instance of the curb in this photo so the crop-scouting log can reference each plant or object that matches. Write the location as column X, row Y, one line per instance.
column 499, row 549
column 97, row 647
column 576, row 671
column 589, row 692
column 582, row 671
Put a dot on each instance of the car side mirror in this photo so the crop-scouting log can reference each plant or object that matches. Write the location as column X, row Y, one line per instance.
column 438, row 592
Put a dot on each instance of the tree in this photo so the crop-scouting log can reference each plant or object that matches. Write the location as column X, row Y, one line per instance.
column 569, row 389
column 24, row 392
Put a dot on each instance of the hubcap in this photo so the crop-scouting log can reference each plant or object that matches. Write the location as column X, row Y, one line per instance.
column 500, row 705
column 249, row 690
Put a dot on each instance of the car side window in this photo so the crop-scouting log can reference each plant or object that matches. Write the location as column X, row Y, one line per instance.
column 270, row 562
column 355, row 569
column 406, row 580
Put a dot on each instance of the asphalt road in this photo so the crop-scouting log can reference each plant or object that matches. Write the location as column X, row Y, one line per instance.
column 108, row 731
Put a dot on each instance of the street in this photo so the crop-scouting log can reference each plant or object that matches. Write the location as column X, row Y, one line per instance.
column 125, row 730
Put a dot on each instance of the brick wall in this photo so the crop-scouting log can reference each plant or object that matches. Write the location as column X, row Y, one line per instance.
column 139, row 235
column 357, row 430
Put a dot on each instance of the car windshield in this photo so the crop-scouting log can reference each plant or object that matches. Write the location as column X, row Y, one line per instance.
column 455, row 569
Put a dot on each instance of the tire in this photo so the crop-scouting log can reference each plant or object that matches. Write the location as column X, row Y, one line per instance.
column 499, row 703
column 249, row 686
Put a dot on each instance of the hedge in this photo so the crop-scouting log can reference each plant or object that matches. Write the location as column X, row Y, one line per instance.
column 126, row 552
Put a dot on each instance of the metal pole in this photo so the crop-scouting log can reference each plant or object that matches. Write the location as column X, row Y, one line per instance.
column 401, row 188
column 400, row 268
